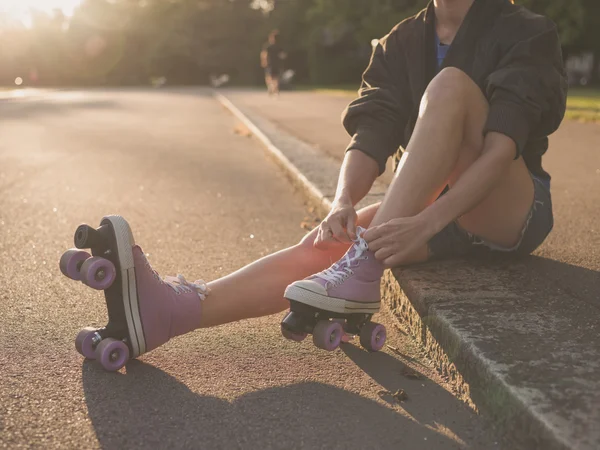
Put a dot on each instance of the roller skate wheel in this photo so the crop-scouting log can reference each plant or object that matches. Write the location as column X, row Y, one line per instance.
column 372, row 336
column 98, row 273
column 112, row 354
column 292, row 336
column 71, row 262
column 327, row 335
column 84, row 342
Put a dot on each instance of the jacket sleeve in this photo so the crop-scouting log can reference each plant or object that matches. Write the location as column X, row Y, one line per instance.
column 377, row 118
column 527, row 91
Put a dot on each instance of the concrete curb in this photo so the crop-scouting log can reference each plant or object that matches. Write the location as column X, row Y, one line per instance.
column 445, row 305
column 476, row 379
column 316, row 196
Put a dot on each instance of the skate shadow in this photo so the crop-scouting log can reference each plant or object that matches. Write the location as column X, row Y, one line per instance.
column 393, row 375
column 148, row 408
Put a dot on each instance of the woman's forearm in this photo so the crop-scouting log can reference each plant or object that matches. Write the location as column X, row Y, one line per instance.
column 475, row 184
column 357, row 175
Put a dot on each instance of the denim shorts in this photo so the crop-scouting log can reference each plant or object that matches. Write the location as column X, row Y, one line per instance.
column 455, row 242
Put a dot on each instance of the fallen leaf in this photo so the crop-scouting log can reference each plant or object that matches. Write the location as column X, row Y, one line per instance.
column 242, row 131
column 400, row 395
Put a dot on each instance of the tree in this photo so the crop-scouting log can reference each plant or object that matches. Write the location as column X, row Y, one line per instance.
column 569, row 16
column 131, row 41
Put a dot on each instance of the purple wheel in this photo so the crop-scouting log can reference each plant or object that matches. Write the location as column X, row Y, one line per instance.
column 372, row 337
column 298, row 337
column 98, row 273
column 71, row 262
column 84, row 342
column 112, row 354
column 328, row 335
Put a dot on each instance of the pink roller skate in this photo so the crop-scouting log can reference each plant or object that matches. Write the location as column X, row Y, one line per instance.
column 144, row 311
column 339, row 301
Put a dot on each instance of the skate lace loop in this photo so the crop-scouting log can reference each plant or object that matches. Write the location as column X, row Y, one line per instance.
column 341, row 270
column 181, row 286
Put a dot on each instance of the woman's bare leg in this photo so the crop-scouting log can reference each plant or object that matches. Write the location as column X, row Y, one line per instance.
column 257, row 289
column 275, row 84
column 448, row 138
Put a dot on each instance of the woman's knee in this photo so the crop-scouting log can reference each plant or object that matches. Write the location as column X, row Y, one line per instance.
column 452, row 89
column 452, row 80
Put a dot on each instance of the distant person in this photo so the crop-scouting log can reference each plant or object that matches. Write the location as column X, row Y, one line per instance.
column 271, row 58
column 470, row 91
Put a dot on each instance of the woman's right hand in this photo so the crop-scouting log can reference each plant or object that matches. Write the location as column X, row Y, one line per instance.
column 338, row 227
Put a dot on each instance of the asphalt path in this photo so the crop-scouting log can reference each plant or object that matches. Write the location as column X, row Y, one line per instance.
column 202, row 201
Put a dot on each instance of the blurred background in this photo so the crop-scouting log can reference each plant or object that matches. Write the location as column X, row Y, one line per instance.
column 142, row 42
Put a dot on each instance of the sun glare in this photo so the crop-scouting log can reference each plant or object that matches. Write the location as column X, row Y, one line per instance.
column 20, row 10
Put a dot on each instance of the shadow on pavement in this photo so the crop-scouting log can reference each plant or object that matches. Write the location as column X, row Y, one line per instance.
column 148, row 408
column 388, row 372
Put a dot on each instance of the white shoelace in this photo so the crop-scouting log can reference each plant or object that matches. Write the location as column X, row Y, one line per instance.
column 341, row 270
column 181, row 286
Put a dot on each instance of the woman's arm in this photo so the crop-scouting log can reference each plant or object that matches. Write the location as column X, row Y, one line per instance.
column 376, row 121
column 357, row 175
column 263, row 59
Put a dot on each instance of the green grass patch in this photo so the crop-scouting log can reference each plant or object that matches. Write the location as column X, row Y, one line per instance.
column 583, row 104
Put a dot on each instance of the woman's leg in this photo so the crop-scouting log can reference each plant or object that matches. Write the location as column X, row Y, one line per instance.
column 257, row 289
column 448, row 138
column 275, row 83
column 268, row 82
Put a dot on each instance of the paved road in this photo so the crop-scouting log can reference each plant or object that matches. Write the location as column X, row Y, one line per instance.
column 202, row 201
column 569, row 260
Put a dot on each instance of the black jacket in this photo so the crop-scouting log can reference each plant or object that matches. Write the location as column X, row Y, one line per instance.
column 512, row 54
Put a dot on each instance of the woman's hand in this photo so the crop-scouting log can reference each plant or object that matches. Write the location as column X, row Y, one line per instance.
column 338, row 226
column 394, row 241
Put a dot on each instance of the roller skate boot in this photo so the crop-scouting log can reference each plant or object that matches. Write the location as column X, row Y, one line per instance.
column 338, row 301
column 144, row 310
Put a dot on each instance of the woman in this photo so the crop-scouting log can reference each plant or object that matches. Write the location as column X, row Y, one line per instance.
column 271, row 58
column 470, row 89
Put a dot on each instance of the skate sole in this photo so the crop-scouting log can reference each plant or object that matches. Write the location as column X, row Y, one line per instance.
column 125, row 243
column 336, row 305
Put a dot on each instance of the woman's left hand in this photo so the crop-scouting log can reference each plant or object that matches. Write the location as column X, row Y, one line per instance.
column 395, row 241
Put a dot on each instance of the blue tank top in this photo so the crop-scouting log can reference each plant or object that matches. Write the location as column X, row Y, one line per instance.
column 441, row 51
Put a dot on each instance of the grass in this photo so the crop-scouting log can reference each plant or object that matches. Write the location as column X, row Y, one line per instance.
column 583, row 104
